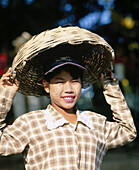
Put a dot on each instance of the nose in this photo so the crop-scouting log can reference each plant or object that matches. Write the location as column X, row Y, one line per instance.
column 68, row 87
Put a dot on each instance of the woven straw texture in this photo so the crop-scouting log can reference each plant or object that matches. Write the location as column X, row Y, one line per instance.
column 91, row 50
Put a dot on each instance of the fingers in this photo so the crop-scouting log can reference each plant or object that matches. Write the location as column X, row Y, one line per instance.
column 5, row 79
column 16, row 82
column 8, row 73
column 113, row 77
column 109, row 75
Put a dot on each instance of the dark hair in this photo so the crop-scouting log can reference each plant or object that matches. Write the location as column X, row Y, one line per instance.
column 74, row 71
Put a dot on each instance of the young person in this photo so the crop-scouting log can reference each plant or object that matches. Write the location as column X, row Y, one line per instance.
column 61, row 136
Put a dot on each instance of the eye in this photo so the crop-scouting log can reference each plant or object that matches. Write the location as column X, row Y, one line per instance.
column 76, row 81
column 59, row 82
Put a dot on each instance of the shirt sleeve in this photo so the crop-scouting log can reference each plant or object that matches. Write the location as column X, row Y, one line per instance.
column 13, row 138
column 6, row 98
column 122, row 130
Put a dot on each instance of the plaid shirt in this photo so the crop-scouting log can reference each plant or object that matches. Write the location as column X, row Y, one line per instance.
column 49, row 142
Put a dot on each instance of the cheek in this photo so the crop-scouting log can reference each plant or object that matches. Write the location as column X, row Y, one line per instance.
column 54, row 91
column 78, row 90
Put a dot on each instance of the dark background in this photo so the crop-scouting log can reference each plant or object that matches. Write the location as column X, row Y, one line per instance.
column 117, row 21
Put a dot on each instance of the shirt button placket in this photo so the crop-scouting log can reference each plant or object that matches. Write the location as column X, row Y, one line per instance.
column 77, row 148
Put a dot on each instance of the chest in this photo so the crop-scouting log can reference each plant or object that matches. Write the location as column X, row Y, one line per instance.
column 66, row 139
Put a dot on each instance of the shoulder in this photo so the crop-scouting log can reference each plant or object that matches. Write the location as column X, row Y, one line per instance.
column 95, row 118
column 96, row 121
column 30, row 117
column 33, row 114
column 92, row 114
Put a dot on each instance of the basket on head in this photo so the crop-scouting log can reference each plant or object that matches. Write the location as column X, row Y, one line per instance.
column 93, row 52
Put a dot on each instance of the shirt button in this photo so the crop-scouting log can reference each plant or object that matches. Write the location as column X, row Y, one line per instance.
column 75, row 132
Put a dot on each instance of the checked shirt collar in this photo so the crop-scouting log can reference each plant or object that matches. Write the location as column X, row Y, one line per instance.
column 54, row 119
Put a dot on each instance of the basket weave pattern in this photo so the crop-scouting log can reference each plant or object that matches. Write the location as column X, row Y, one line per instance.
column 92, row 50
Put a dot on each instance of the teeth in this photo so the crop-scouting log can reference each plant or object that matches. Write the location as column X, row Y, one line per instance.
column 68, row 97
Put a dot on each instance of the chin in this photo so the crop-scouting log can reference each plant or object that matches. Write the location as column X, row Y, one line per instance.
column 68, row 106
column 64, row 106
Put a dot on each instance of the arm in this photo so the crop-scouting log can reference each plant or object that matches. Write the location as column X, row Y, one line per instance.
column 7, row 93
column 6, row 98
column 13, row 139
column 122, row 130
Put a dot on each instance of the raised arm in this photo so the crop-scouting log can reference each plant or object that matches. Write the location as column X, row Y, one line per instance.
column 7, row 93
column 122, row 130
column 12, row 138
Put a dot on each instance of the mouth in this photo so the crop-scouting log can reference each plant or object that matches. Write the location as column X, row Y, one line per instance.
column 68, row 98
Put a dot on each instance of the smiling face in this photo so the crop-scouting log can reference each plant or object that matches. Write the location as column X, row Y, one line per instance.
column 64, row 91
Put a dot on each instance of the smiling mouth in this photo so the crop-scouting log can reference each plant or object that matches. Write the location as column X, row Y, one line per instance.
column 68, row 98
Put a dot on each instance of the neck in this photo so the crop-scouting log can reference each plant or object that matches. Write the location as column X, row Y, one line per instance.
column 69, row 115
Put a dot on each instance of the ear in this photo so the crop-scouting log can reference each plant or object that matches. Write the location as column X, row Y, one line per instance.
column 46, row 86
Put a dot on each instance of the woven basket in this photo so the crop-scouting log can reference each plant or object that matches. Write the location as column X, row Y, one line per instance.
column 92, row 50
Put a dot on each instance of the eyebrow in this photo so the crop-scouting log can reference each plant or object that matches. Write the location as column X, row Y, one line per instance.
column 58, row 78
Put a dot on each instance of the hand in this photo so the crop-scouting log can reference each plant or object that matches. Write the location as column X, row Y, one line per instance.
column 6, row 82
column 108, row 76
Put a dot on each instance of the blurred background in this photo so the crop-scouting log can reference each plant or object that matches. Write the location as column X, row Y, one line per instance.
column 117, row 21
